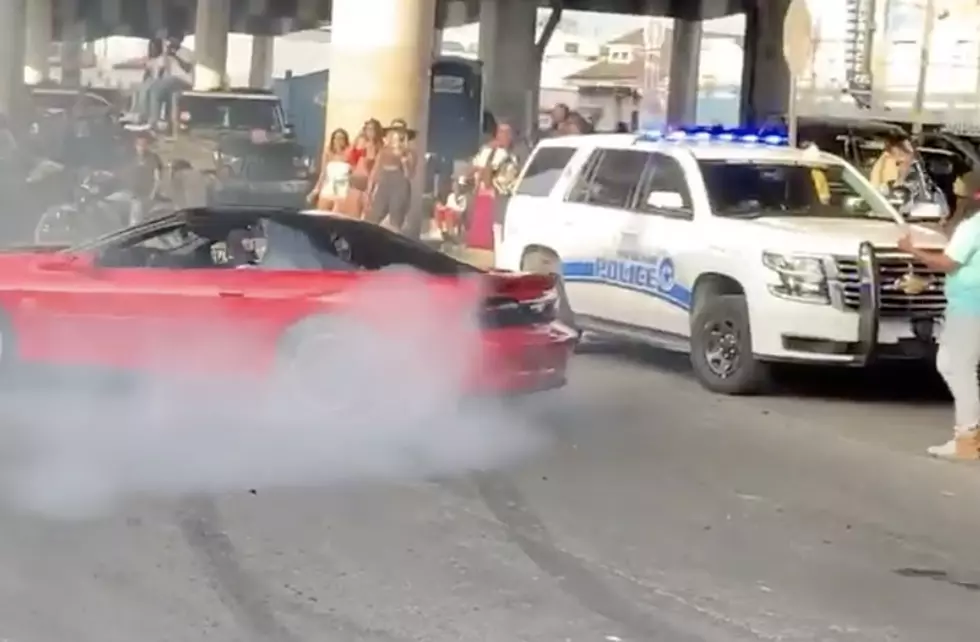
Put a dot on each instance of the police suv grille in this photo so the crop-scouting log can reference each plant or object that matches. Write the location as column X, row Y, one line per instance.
column 892, row 268
column 503, row 312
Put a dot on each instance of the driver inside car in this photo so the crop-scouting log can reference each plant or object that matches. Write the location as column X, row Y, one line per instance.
column 240, row 250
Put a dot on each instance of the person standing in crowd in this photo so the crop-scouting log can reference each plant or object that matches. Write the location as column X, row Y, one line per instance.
column 494, row 169
column 363, row 156
column 959, row 344
column 145, row 176
column 559, row 116
column 330, row 191
column 390, row 185
column 893, row 166
column 577, row 124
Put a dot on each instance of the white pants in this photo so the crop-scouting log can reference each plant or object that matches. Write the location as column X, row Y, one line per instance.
column 957, row 361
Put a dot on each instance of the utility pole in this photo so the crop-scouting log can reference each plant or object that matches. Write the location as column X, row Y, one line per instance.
column 918, row 107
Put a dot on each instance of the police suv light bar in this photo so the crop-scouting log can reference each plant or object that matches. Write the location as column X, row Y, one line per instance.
column 713, row 135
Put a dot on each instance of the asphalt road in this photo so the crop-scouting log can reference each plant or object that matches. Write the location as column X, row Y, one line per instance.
column 657, row 512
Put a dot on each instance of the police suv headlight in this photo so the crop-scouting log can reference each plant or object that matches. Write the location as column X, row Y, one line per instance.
column 797, row 278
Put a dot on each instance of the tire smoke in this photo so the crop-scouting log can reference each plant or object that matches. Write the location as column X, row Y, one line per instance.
column 377, row 391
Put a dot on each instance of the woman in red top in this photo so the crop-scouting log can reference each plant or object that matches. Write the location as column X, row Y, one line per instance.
column 362, row 158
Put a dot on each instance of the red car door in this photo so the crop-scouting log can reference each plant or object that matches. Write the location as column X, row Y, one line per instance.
column 202, row 320
column 253, row 308
column 123, row 317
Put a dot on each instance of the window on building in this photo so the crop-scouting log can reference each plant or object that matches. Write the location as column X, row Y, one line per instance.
column 905, row 15
column 571, row 48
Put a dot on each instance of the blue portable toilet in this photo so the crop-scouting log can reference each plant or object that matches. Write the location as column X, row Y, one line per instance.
column 456, row 108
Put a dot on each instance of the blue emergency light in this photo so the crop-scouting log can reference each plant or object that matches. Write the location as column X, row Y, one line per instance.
column 713, row 135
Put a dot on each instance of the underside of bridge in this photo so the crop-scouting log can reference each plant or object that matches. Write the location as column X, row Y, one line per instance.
column 274, row 17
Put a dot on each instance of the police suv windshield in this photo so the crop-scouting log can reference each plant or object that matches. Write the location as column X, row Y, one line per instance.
column 752, row 189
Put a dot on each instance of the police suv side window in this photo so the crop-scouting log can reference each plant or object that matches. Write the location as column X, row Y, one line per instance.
column 610, row 178
column 544, row 170
column 665, row 181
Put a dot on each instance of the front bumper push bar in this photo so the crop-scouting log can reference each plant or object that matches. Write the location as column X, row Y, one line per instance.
column 870, row 304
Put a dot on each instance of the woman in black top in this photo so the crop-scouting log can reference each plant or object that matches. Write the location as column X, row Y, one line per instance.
column 391, row 181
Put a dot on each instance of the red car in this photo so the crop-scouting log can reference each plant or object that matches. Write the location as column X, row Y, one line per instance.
column 257, row 290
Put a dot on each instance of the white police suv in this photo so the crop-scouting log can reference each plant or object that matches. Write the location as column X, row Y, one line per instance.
column 728, row 245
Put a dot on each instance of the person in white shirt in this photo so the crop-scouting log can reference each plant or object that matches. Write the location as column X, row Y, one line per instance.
column 139, row 105
column 166, row 71
column 495, row 170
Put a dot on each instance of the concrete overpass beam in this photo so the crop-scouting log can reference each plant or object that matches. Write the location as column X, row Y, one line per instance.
column 37, row 46
column 263, row 53
column 510, row 64
column 685, row 66
column 12, row 15
column 211, row 28
column 765, row 76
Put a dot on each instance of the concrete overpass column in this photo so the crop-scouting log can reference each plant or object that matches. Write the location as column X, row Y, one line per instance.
column 381, row 67
column 37, row 47
column 510, row 76
column 765, row 76
column 263, row 51
column 685, row 65
column 211, row 43
column 12, row 15
column 72, row 43
column 380, row 63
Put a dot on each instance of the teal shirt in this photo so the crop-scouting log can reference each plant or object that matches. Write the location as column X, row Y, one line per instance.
column 963, row 285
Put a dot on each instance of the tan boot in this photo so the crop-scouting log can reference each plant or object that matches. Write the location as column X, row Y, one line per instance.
column 968, row 446
column 965, row 445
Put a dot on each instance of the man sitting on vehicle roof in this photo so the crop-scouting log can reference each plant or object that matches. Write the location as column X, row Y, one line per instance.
column 165, row 71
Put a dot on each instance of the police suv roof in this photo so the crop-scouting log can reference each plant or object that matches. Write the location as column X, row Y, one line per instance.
column 701, row 150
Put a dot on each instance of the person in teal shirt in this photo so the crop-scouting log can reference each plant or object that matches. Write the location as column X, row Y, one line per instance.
column 959, row 344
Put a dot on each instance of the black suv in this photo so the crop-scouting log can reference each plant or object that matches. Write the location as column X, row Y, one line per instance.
column 254, row 170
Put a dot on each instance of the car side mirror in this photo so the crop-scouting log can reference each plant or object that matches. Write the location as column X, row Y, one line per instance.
column 289, row 130
column 855, row 204
column 899, row 197
column 665, row 200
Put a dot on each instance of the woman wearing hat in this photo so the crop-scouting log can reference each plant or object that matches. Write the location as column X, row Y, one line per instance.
column 390, row 185
column 959, row 345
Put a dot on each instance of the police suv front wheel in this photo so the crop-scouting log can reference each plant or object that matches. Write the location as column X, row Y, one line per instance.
column 721, row 347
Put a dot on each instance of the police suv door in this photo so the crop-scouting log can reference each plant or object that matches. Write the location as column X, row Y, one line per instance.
column 535, row 213
column 659, row 238
column 597, row 211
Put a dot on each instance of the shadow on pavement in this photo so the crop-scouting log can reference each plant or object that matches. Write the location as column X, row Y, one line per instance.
column 906, row 382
